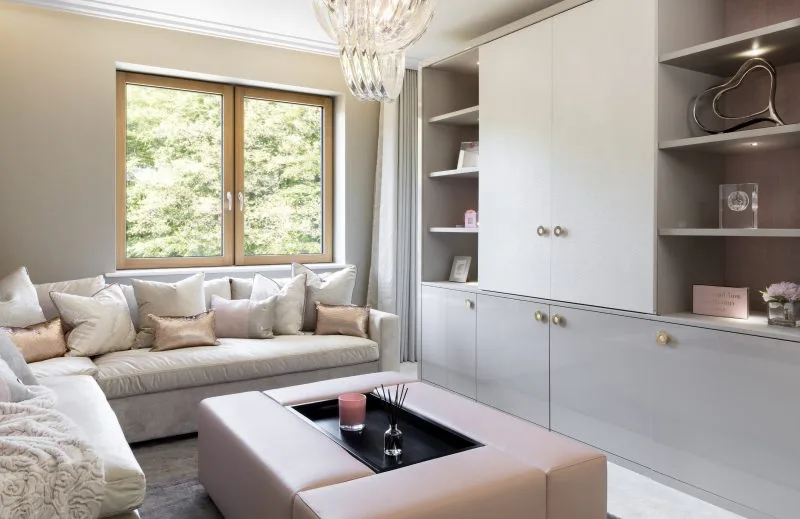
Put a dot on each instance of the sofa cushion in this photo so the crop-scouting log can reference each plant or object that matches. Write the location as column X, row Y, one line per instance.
column 81, row 399
column 85, row 287
column 63, row 367
column 133, row 372
column 19, row 304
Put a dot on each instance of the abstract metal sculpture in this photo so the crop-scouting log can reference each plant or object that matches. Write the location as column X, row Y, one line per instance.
column 767, row 114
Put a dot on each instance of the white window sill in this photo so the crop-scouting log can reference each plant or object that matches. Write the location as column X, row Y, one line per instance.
column 219, row 271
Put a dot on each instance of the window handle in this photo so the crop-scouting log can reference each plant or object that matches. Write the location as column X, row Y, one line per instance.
column 229, row 197
column 241, row 201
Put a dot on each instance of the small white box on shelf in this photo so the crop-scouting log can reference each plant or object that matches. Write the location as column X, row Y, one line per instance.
column 468, row 156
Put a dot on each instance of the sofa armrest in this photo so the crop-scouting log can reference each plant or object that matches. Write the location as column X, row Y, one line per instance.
column 384, row 328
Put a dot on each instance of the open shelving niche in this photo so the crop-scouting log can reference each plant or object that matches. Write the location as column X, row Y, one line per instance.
column 450, row 114
column 691, row 165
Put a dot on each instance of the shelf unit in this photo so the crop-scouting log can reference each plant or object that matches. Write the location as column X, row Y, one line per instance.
column 692, row 249
column 465, row 117
column 778, row 43
column 745, row 141
column 453, row 230
column 470, row 173
column 449, row 116
column 742, row 233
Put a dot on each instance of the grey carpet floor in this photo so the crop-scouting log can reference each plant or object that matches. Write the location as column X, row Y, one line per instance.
column 173, row 491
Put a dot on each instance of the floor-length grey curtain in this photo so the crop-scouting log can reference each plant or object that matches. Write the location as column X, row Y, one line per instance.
column 393, row 274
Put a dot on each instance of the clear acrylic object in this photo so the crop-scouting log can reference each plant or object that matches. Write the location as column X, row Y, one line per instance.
column 738, row 206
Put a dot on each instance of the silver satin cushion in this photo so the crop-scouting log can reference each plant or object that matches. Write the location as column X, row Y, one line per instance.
column 11, row 385
column 13, row 357
column 19, row 304
column 333, row 288
column 244, row 319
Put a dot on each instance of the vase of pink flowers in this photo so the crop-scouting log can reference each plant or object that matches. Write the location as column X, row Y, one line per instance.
column 783, row 300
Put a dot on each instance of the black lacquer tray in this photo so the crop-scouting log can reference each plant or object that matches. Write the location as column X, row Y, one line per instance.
column 423, row 439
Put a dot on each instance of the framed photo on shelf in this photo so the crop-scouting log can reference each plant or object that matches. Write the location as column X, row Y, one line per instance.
column 460, row 270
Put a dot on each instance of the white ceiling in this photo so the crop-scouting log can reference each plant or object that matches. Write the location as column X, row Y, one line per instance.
column 291, row 23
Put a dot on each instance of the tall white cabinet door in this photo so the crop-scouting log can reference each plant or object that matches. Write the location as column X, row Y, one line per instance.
column 461, row 321
column 514, row 357
column 727, row 416
column 601, row 390
column 433, row 336
column 515, row 135
column 604, row 145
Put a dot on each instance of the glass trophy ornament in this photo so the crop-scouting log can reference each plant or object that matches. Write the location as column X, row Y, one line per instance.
column 738, row 206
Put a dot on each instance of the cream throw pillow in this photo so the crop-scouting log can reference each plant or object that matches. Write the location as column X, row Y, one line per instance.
column 290, row 304
column 186, row 298
column 217, row 287
column 86, row 287
column 334, row 288
column 19, row 305
column 100, row 324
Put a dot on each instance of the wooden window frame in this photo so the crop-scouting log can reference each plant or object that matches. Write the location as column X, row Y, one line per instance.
column 232, row 175
column 326, row 103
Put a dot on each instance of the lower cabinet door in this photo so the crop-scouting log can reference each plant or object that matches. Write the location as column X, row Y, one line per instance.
column 727, row 416
column 513, row 357
column 461, row 310
column 601, row 387
column 433, row 325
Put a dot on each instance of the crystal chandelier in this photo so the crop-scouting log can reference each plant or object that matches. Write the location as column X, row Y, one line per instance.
column 373, row 36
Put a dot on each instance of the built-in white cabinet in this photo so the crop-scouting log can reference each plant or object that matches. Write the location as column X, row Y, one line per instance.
column 568, row 143
column 448, row 326
column 600, row 384
column 513, row 341
column 604, row 155
column 712, row 409
column 516, row 85
column 726, row 416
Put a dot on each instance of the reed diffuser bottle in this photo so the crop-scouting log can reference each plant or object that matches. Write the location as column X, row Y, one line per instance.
column 393, row 403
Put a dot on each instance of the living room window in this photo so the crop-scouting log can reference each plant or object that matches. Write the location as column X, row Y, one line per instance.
column 210, row 174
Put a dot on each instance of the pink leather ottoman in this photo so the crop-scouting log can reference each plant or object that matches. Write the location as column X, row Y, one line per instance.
column 260, row 461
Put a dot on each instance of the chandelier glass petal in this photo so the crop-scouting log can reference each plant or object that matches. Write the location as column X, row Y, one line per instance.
column 373, row 36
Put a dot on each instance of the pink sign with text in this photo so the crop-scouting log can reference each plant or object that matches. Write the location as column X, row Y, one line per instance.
column 721, row 301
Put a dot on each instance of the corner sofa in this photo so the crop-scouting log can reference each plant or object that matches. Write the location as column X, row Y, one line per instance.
column 155, row 395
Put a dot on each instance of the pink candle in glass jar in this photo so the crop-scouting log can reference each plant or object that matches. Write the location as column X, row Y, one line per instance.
column 352, row 411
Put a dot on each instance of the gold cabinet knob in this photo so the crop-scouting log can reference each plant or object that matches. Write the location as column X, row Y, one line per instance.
column 558, row 320
column 540, row 316
column 469, row 303
column 559, row 231
column 541, row 230
column 662, row 338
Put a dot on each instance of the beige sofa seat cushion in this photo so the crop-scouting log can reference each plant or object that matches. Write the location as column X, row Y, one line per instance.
column 80, row 398
column 63, row 367
column 135, row 372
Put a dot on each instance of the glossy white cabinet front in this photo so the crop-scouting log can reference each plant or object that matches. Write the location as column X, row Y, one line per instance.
column 601, row 388
column 514, row 357
column 448, row 323
column 726, row 416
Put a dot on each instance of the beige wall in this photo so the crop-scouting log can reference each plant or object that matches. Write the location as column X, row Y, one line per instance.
column 57, row 114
